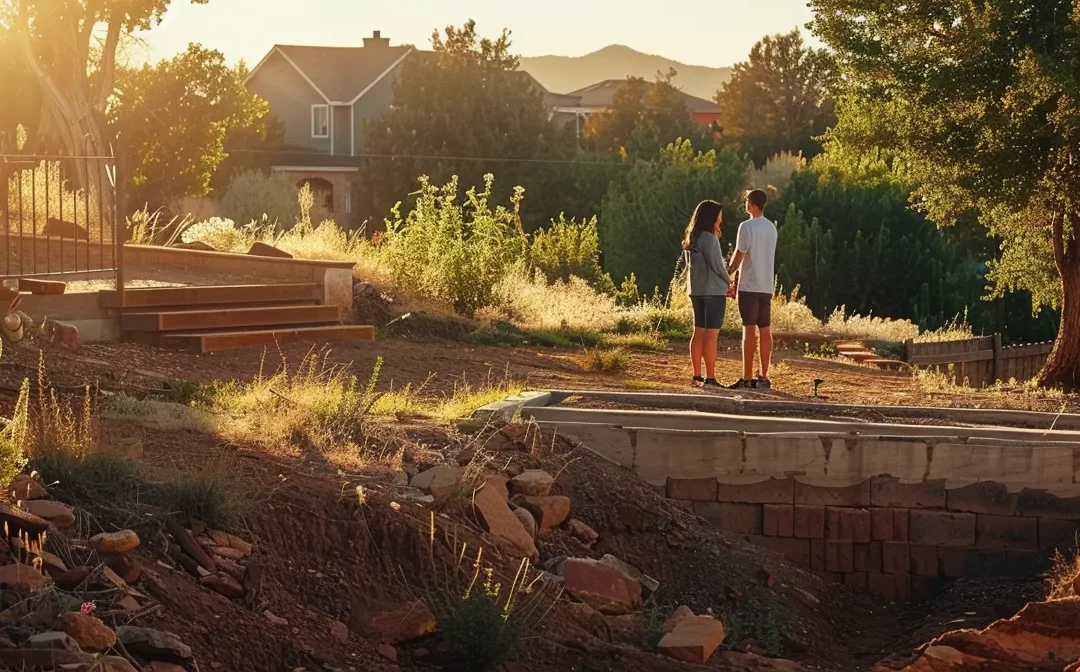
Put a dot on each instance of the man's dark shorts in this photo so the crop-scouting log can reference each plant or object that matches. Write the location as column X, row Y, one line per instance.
column 709, row 311
column 755, row 308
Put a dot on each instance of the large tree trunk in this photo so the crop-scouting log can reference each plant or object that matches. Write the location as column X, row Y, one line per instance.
column 1062, row 369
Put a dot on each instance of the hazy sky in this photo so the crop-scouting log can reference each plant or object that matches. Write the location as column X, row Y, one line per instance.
column 696, row 32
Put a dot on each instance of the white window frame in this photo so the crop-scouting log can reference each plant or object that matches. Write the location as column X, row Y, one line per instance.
column 326, row 109
column 348, row 202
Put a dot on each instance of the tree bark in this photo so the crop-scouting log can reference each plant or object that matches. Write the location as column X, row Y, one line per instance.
column 1062, row 368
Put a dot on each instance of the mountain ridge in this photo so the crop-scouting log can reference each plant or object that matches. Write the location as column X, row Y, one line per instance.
column 564, row 74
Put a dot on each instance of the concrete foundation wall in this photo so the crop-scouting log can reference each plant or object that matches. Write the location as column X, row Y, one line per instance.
column 897, row 514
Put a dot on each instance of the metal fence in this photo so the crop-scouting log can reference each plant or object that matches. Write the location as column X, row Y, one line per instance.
column 980, row 362
column 59, row 215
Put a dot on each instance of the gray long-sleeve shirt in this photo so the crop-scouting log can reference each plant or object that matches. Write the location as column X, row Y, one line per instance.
column 708, row 274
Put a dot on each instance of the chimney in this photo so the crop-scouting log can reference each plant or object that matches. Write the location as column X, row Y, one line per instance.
column 377, row 41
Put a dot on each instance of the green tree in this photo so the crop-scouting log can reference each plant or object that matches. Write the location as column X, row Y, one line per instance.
column 778, row 100
column 848, row 238
column 644, row 118
column 979, row 101
column 173, row 119
column 642, row 222
column 466, row 111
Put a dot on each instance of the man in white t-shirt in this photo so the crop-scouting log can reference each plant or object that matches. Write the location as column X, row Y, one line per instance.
column 754, row 259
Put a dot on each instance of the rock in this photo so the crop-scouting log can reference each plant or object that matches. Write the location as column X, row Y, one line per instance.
column 232, row 568
column 26, row 488
column 388, row 652
column 532, row 482
column 58, row 514
column 513, row 470
column 676, row 617
column 410, row 621
column 465, row 455
column 339, row 631
column 549, row 512
column 583, row 532
column 767, row 578
column 197, row 527
column 38, row 659
column 440, row 482
column 115, row 542
column 264, row 250
column 224, row 584
column 1041, row 636
column 694, row 639
column 15, row 520
column 129, row 604
column 228, row 552
column 276, row 620
column 90, row 633
column 153, row 644
column 19, row 575
column 527, row 520
column 647, row 582
column 189, row 545
column 234, row 542
column 126, row 568
column 497, row 518
column 415, row 495
column 53, row 639
column 112, row 577
column 601, row 586
column 71, row 579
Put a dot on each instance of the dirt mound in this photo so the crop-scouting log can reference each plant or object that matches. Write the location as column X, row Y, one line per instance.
column 371, row 307
column 422, row 325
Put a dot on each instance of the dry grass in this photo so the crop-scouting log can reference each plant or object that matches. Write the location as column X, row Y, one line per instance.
column 1064, row 573
column 461, row 402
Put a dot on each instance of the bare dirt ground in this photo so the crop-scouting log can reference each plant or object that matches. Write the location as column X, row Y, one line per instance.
column 441, row 366
column 327, row 557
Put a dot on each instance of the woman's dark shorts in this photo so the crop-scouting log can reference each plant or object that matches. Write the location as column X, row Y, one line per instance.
column 709, row 311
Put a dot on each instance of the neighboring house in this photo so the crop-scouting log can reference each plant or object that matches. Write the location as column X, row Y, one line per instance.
column 323, row 95
column 601, row 96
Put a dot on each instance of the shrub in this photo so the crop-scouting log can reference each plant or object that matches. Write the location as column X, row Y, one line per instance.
column 452, row 252
column 605, row 361
column 253, row 196
column 570, row 249
column 14, row 437
column 221, row 234
column 527, row 299
column 777, row 173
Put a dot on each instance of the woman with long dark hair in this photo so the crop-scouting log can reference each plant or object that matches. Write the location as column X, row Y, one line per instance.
column 707, row 285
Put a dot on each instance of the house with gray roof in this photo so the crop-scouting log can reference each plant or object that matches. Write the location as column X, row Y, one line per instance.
column 323, row 96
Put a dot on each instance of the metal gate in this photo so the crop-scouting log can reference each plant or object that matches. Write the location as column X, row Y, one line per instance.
column 60, row 215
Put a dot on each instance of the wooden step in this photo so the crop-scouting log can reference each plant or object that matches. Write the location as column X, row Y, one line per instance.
column 158, row 297
column 225, row 318
column 232, row 339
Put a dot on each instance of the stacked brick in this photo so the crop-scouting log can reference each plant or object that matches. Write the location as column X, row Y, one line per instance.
column 901, row 540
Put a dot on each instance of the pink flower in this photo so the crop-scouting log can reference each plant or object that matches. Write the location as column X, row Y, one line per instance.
column 88, row 607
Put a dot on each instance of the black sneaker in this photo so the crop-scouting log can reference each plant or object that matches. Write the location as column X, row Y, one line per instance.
column 711, row 382
column 763, row 383
column 698, row 380
column 742, row 384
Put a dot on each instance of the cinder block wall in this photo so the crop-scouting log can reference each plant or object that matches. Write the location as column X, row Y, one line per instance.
column 899, row 539
column 898, row 514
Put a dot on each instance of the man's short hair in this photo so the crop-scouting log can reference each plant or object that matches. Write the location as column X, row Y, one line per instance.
column 757, row 197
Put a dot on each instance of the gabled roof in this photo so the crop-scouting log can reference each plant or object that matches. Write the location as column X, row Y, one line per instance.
column 602, row 95
column 341, row 75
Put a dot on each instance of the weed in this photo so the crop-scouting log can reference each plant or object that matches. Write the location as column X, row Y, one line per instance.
column 161, row 415
column 604, row 361
column 734, row 629
column 483, row 620
column 770, row 634
column 1064, row 571
column 655, row 617
column 462, row 401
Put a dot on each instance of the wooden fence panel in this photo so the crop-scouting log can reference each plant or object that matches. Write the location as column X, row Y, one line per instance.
column 982, row 361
